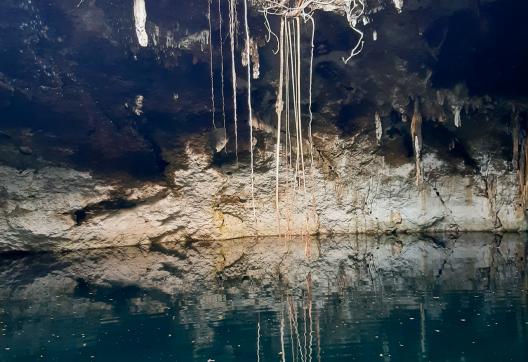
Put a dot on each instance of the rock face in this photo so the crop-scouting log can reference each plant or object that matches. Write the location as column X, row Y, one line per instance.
column 107, row 142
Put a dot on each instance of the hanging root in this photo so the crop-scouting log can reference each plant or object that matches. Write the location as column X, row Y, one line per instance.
column 250, row 115
column 211, row 62
column 312, row 46
column 232, row 36
column 221, row 46
column 355, row 9
column 279, row 106
column 290, row 93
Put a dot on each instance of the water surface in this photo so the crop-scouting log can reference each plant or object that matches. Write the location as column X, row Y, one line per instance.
column 398, row 298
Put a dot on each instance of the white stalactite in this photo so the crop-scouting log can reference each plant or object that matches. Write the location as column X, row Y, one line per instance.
column 379, row 128
column 398, row 4
column 140, row 19
column 138, row 105
column 458, row 120
column 416, row 133
column 253, row 57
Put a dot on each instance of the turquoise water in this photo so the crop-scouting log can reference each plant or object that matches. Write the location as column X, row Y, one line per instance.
column 410, row 299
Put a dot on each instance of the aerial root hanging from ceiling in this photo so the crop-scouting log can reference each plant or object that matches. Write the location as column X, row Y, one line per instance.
column 289, row 93
column 292, row 13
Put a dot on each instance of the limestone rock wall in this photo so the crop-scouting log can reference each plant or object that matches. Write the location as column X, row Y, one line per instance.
column 107, row 139
column 60, row 208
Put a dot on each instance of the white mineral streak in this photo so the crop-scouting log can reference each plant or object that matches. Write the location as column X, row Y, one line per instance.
column 140, row 19
column 398, row 4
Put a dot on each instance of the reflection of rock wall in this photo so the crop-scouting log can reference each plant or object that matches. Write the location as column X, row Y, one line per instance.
column 198, row 286
column 205, row 282
column 473, row 261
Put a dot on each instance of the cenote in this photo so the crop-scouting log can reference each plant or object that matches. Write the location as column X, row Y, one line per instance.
column 263, row 180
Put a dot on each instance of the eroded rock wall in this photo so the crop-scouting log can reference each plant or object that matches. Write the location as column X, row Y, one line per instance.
column 107, row 142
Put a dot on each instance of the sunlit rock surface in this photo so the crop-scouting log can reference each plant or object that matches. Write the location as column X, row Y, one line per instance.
column 107, row 142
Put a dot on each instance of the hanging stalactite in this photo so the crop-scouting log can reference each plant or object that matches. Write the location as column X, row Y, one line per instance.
column 416, row 134
column 379, row 127
column 140, row 20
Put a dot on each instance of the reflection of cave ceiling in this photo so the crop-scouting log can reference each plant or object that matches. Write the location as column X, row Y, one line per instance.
column 71, row 77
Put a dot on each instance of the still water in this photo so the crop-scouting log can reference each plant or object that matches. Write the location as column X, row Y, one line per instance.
column 355, row 298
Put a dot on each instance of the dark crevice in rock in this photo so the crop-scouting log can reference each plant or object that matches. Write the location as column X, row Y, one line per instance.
column 103, row 207
column 445, row 142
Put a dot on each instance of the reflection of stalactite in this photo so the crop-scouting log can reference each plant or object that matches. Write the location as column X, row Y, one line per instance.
column 258, row 339
column 423, row 334
column 416, row 133
column 310, row 319
column 283, row 350
column 291, row 324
